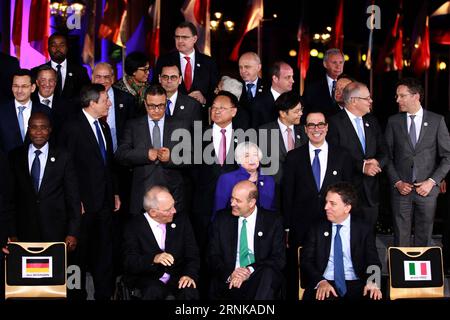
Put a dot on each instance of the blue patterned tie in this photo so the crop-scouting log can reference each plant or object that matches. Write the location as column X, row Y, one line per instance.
column 36, row 170
column 338, row 258
column 20, row 120
column 249, row 91
column 100, row 141
column 316, row 168
column 168, row 108
column 360, row 133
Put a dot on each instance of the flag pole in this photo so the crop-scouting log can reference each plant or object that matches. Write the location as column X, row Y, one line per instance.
column 426, row 89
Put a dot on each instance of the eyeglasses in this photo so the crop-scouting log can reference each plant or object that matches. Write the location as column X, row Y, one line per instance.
column 320, row 125
column 24, row 87
column 166, row 77
column 220, row 109
column 182, row 37
column 369, row 98
column 156, row 106
column 401, row 96
column 107, row 77
column 146, row 69
column 38, row 128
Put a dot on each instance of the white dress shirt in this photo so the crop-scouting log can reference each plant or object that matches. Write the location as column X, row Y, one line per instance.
column 255, row 85
column 63, row 71
column 183, row 63
column 50, row 98
column 173, row 100
column 251, row 224
column 353, row 121
column 91, row 122
column 151, row 125
column 26, row 113
column 217, row 137
column 330, row 85
column 323, row 158
column 42, row 159
column 275, row 93
column 417, row 121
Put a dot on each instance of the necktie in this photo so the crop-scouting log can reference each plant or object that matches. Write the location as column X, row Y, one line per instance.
column 290, row 139
column 413, row 137
column 223, row 147
column 58, row 88
column 21, row 122
column 360, row 133
column 188, row 74
column 245, row 257
column 338, row 259
column 101, row 143
column 316, row 168
column 156, row 135
column 36, row 170
column 46, row 102
column 168, row 108
column 249, row 91
column 165, row 277
column 333, row 89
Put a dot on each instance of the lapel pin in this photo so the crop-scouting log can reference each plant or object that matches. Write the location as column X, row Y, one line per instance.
column 298, row 136
column 260, row 234
column 120, row 105
column 425, row 124
column 259, row 90
column 198, row 65
column 334, row 172
column 182, row 107
column 70, row 74
column 235, row 140
column 326, row 234
column 261, row 183
column 367, row 124
column 52, row 159
column 173, row 225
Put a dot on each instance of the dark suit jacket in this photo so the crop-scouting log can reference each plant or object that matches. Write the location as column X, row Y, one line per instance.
column 268, row 243
column 317, row 96
column 140, row 247
column 125, row 108
column 133, row 152
column 187, row 109
column 302, row 203
column 316, row 251
column 260, row 88
column 55, row 211
column 431, row 155
column 205, row 73
column 9, row 65
column 10, row 137
column 76, row 78
column 96, row 180
column 262, row 110
column 342, row 133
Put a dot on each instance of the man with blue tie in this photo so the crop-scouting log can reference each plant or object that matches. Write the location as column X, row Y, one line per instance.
column 14, row 115
column 357, row 130
column 338, row 251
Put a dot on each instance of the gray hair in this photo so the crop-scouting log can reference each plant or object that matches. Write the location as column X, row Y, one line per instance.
column 151, row 197
column 106, row 65
column 331, row 52
column 351, row 89
column 244, row 147
column 232, row 85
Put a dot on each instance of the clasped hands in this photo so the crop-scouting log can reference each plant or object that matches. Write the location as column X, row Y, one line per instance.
column 162, row 154
column 422, row 188
column 238, row 276
column 371, row 167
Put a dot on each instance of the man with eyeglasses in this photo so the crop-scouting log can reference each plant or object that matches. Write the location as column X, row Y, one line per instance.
column 419, row 153
column 14, row 114
column 358, row 131
column 146, row 148
column 167, row 268
column 308, row 172
column 179, row 106
column 200, row 75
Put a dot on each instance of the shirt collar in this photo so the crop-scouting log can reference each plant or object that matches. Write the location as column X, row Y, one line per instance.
column 42, row 98
column 228, row 128
column 283, row 127
column 44, row 149
column 174, row 97
column 345, row 223
column 63, row 64
column 252, row 217
column 351, row 115
column 26, row 105
column 90, row 118
column 191, row 55
column 275, row 93
column 323, row 147
column 255, row 82
column 418, row 114
column 152, row 221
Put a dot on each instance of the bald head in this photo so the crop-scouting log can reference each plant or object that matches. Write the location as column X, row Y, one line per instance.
column 103, row 73
column 249, row 66
column 243, row 199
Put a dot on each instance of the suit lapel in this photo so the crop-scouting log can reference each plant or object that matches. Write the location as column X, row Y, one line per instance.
column 298, row 136
column 423, row 127
column 258, row 234
column 282, row 146
column 309, row 172
column 49, row 168
column 233, row 234
column 326, row 234
column 349, row 126
column 91, row 138
column 404, row 128
column 24, row 167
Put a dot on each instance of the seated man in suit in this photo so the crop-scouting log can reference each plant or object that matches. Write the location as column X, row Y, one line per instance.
column 339, row 250
column 160, row 253
column 246, row 251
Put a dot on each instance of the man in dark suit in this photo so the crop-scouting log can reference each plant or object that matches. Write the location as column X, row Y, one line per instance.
column 146, row 147
column 262, row 109
column 320, row 95
column 160, row 254
column 45, row 189
column 14, row 114
column 250, row 69
column 179, row 106
column 338, row 251
column 419, row 153
column 70, row 76
column 88, row 139
column 355, row 129
column 246, row 251
column 10, row 65
column 200, row 75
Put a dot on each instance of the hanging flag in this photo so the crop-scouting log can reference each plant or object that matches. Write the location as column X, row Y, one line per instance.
column 197, row 12
column 252, row 20
column 17, row 27
column 89, row 43
column 303, row 49
column 337, row 39
column 370, row 44
column 39, row 25
column 155, row 15
column 420, row 57
column 439, row 24
column 114, row 21
column 397, row 52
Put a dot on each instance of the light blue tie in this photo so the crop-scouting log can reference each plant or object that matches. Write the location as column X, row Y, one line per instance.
column 360, row 133
column 316, row 168
column 338, row 259
column 21, row 122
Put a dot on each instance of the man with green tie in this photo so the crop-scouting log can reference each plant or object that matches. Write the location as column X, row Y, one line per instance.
column 246, row 250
